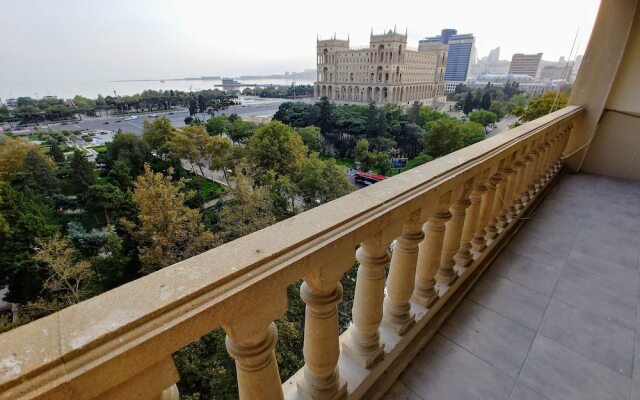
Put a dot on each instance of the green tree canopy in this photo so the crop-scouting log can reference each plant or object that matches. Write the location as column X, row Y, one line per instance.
column 311, row 137
column 275, row 147
column 483, row 117
column 158, row 134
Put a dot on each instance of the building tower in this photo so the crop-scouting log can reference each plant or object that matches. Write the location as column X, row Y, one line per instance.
column 383, row 72
column 461, row 55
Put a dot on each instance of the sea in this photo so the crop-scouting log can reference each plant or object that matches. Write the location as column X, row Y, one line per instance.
column 92, row 88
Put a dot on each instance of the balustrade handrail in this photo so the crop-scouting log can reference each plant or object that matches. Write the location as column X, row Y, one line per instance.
column 104, row 344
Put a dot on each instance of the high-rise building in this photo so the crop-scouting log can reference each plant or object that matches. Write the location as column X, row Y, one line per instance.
column 461, row 55
column 494, row 56
column 525, row 64
column 383, row 72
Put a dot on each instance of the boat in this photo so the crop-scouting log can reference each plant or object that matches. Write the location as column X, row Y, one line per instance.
column 230, row 82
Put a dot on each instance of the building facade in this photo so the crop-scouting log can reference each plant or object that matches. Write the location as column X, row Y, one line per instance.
column 386, row 71
column 461, row 55
column 525, row 64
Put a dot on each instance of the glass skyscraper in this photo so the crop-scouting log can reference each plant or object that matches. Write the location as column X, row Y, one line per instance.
column 461, row 49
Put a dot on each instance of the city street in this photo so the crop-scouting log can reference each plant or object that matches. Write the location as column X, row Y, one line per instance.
column 252, row 108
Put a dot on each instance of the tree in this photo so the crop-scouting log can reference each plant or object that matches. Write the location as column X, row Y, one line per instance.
column 372, row 119
column 362, row 151
column 106, row 198
column 119, row 175
column 321, row 181
column 130, row 148
column 498, row 108
column 483, row 117
column 247, row 210
column 382, row 163
column 167, row 231
column 485, row 101
column 158, row 134
column 55, row 152
column 190, row 143
column 311, row 137
column 12, row 155
column 471, row 132
column 68, row 279
column 326, row 108
column 427, row 115
column 443, row 137
column 220, row 153
column 26, row 219
column 37, row 174
column 240, row 131
column 275, row 147
column 81, row 171
column 193, row 107
column 543, row 105
column 217, row 125
column 414, row 111
column 469, row 103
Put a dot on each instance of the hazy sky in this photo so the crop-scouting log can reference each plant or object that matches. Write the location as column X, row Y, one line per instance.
column 117, row 39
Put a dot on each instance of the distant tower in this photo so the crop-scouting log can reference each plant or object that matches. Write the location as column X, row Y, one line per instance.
column 494, row 56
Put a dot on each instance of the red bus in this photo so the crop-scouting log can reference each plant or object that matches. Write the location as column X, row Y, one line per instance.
column 366, row 178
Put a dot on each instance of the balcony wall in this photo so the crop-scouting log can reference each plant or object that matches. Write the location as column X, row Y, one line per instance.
column 607, row 141
column 444, row 221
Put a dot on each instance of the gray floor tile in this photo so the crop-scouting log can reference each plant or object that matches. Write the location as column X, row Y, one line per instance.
column 558, row 373
column 511, row 299
column 591, row 335
column 603, row 271
column 635, row 381
column 614, row 246
column 581, row 291
column 526, row 271
column 444, row 370
column 498, row 340
column 542, row 250
column 400, row 392
column 521, row 392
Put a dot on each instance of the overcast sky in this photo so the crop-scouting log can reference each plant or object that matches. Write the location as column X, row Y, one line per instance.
column 129, row 39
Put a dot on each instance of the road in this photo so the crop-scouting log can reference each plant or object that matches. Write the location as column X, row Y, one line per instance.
column 252, row 108
column 503, row 125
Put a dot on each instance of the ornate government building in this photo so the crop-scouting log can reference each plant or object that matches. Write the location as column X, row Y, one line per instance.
column 386, row 71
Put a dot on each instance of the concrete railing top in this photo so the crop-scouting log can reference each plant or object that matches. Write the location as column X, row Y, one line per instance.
column 126, row 330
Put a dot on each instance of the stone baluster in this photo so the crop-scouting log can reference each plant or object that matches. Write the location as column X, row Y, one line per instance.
column 256, row 365
column 170, row 393
column 397, row 310
column 509, row 175
column 497, row 186
column 453, row 231
column 464, row 257
column 430, row 251
column 321, row 291
column 478, row 242
column 251, row 340
column 364, row 341
column 548, row 158
column 520, row 167
column 539, row 173
column 525, row 192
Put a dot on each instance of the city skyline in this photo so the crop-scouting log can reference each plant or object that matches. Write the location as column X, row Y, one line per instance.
column 125, row 40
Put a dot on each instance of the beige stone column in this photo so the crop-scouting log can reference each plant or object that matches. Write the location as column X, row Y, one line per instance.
column 546, row 161
column 509, row 176
column 321, row 380
column 479, row 243
column 500, row 180
column 170, row 393
column 430, row 251
column 515, row 201
column 463, row 257
column 524, row 193
column 364, row 341
column 397, row 310
column 256, row 365
column 453, row 231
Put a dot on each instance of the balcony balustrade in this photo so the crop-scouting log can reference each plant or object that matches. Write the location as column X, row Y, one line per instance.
column 435, row 228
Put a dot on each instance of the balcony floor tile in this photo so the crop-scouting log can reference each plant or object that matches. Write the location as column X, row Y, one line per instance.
column 571, row 277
